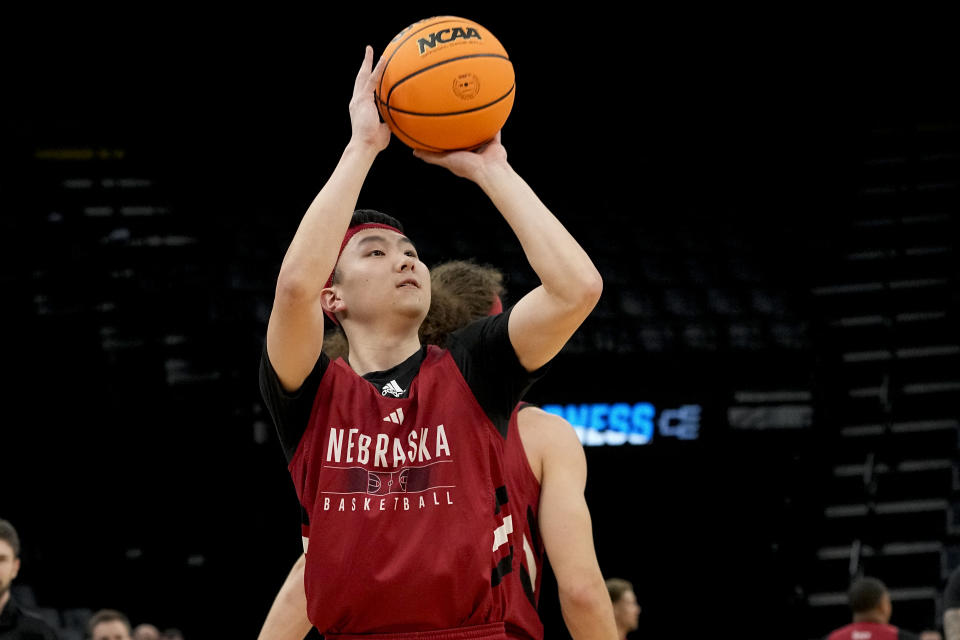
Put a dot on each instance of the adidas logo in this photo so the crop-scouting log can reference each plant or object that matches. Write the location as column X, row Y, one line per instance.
column 395, row 417
column 392, row 388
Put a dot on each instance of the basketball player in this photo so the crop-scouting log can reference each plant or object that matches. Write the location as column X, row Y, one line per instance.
column 397, row 452
column 545, row 478
column 870, row 604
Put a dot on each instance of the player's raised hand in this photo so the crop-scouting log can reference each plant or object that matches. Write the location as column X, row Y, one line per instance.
column 364, row 117
column 472, row 165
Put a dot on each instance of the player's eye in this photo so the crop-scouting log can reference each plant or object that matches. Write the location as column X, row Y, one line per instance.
column 376, row 252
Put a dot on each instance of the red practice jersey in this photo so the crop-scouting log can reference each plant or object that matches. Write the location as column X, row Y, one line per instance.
column 870, row 631
column 406, row 504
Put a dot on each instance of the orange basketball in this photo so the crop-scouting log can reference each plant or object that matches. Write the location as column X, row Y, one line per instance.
column 447, row 84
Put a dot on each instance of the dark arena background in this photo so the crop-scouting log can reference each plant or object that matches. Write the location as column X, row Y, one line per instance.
column 768, row 387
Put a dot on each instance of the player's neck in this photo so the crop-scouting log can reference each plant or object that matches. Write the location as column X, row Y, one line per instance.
column 876, row 618
column 378, row 353
column 4, row 598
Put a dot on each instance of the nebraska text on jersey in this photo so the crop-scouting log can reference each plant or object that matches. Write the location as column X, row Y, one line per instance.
column 384, row 471
column 388, row 451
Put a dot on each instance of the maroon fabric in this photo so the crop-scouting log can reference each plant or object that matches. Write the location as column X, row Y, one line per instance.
column 522, row 585
column 493, row 631
column 865, row 631
column 401, row 498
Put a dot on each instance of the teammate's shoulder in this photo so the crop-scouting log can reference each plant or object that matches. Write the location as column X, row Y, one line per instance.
column 553, row 430
column 534, row 414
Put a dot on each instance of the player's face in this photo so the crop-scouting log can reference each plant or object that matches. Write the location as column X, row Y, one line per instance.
column 626, row 611
column 9, row 566
column 379, row 272
column 111, row 630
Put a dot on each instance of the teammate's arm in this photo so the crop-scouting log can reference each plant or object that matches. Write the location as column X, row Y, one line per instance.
column 545, row 318
column 295, row 329
column 287, row 618
column 566, row 527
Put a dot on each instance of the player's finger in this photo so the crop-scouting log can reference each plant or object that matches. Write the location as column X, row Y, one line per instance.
column 374, row 77
column 428, row 156
column 363, row 74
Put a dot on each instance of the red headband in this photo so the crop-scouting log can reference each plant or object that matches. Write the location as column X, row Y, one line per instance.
column 352, row 231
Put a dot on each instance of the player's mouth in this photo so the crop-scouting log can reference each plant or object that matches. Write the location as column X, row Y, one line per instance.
column 409, row 282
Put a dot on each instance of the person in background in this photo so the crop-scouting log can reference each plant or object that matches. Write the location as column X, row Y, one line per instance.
column 15, row 622
column 871, row 607
column 626, row 611
column 109, row 624
column 146, row 632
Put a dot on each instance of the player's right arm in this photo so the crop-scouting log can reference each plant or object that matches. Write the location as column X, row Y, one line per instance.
column 295, row 328
column 545, row 318
column 565, row 526
column 287, row 618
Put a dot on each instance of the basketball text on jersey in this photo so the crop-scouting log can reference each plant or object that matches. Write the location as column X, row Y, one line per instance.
column 392, row 503
column 457, row 33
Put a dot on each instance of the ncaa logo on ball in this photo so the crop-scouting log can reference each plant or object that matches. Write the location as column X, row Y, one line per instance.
column 446, row 36
column 466, row 86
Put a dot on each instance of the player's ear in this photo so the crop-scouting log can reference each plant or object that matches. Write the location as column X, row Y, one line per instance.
column 331, row 301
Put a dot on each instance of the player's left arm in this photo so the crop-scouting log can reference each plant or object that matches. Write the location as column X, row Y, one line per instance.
column 287, row 618
column 546, row 317
column 566, row 528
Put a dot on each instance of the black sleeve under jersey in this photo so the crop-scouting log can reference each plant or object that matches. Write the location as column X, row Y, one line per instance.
column 290, row 410
column 951, row 594
column 906, row 635
column 486, row 358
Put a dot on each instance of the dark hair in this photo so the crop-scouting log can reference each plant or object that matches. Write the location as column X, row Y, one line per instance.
column 8, row 533
column 616, row 587
column 866, row 594
column 106, row 615
column 368, row 216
